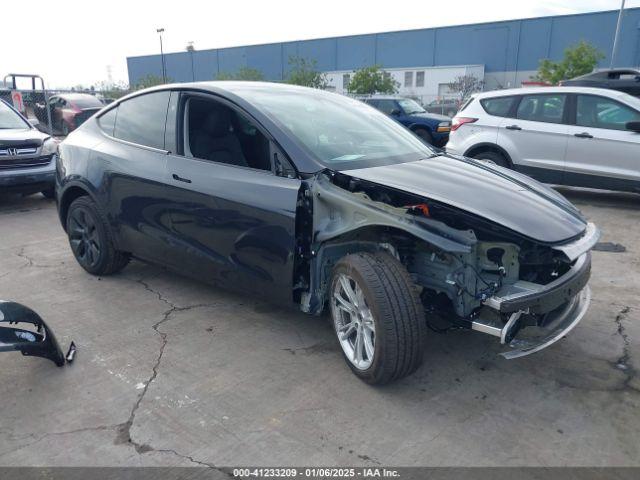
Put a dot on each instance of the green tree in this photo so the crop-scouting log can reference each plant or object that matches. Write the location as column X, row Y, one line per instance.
column 150, row 80
column 578, row 60
column 370, row 80
column 243, row 73
column 303, row 71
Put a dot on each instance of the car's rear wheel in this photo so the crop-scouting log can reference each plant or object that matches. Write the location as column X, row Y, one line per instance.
column 425, row 135
column 377, row 317
column 492, row 157
column 91, row 239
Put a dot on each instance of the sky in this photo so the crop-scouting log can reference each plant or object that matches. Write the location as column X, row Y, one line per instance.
column 84, row 43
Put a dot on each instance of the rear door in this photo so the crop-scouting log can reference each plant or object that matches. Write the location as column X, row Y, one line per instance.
column 601, row 152
column 536, row 136
column 129, row 165
column 233, row 219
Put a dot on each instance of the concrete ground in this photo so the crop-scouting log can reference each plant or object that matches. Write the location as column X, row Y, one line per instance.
column 173, row 372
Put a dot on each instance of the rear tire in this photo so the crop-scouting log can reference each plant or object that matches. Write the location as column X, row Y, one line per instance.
column 91, row 239
column 385, row 302
column 425, row 135
column 492, row 157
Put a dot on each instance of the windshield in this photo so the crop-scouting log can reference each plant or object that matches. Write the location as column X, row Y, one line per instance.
column 410, row 106
column 10, row 119
column 339, row 132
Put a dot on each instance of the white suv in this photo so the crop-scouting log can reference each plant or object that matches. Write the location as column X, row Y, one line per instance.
column 588, row 137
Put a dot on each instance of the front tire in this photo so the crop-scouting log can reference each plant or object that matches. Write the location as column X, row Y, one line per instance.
column 377, row 317
column 425, row 135
column 91, row 239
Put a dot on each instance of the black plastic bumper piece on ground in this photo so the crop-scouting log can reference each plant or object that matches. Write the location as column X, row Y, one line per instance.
column 39, row 343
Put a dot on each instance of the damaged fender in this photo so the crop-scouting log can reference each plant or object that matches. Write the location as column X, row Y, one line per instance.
column 337, row 211
column 39, row 343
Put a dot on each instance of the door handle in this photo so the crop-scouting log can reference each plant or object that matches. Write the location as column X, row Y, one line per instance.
column 583, row 135
column 513, row 127
column 180, row 179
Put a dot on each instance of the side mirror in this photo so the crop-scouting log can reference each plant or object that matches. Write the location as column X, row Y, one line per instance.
column 34, row 122
column 633, row 126
column 40, row 342
column 395, row 112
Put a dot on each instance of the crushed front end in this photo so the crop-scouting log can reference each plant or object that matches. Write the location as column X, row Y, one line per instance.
column 471, row 272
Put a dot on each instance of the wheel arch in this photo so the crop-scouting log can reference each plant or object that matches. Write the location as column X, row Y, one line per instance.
column 421, row 126
column 71, row 192
column 371, row 238
column 488, row 147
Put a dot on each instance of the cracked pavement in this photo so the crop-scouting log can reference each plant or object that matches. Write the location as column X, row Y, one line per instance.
column 171, row 372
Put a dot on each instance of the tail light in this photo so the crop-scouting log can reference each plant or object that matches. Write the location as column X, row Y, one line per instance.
column 457, row 122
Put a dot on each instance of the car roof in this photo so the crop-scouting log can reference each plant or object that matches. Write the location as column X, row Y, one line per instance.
column 561, row 89
column 608, row 74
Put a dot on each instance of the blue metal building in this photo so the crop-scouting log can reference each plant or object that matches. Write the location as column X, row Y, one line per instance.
column 509, row 50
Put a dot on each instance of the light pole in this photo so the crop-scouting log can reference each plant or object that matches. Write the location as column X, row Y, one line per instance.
column 164, row 71
column 190, row 49
column 614, row 50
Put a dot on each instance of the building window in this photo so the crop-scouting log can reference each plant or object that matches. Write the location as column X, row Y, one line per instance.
column 419, row 79
column 408, row 79
column 346, row 79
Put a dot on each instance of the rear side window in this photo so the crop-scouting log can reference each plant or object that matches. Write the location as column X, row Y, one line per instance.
column 542, row 108
column 498, row 106
column 107, row 121
column 387, row 106
column 142, row 119
column 601, row 112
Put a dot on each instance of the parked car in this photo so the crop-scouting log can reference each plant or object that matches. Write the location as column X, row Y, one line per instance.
column 430, row 127
column 68, row 111
column 444, row 106
column 621, row 79
column 587, row 137
column 27, row 156
column 312, row 199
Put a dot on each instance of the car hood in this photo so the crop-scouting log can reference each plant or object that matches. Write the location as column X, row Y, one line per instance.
column 15, row 135
column 502, row 196
column 430, row 116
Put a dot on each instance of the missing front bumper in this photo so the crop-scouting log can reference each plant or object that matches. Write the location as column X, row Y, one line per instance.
column 527, row 333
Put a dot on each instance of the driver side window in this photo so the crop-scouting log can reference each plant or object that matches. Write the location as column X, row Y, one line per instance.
column 213, row 131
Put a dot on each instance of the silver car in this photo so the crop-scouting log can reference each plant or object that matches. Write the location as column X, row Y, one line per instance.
column 587, row 137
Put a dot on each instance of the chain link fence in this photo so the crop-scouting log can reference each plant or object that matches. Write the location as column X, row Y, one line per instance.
column 56, row 112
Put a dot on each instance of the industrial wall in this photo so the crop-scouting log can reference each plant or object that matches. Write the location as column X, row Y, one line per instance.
column 508, row 50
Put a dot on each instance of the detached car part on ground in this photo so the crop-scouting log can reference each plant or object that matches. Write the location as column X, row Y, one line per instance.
column 39, row 343
column 304, row 196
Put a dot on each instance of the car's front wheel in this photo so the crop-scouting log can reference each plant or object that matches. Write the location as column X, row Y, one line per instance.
column 91, row 239
column 425, row 135
column 377, row 317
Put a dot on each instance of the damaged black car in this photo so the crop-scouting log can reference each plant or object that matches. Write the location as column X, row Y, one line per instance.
column 306, row 197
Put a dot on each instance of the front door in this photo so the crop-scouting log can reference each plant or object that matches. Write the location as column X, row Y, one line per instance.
column 233, row 219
